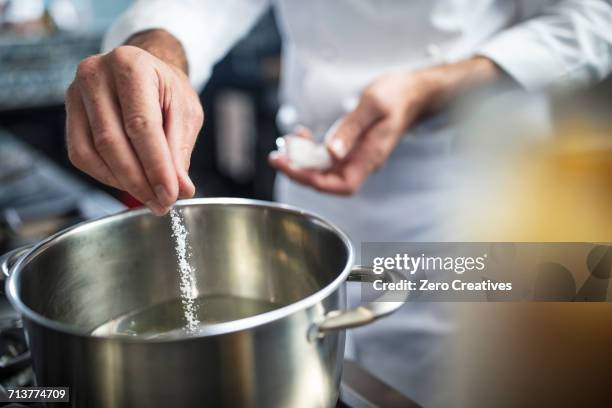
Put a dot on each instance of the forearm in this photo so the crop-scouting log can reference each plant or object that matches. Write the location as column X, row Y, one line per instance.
column 445, row 82
column 163, row 45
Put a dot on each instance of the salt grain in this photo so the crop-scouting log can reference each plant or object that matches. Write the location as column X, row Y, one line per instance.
column 187, row 279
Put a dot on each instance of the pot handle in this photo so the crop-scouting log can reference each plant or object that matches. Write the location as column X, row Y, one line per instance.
column 364, row 314
column 8, row 260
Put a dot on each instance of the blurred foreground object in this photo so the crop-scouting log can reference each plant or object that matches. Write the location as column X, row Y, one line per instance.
column 559, row 190
column 542, row 188
column 538, row 172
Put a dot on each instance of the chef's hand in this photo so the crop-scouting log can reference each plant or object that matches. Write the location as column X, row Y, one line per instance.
column 133, row 118
column 366, row 136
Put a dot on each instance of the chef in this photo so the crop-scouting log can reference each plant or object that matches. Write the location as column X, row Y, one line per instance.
column 387, row 68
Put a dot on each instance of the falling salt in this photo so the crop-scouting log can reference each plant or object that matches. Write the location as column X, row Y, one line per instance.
column 187, row 280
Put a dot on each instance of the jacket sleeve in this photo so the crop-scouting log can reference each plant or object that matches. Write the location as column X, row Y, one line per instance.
column 569, row 42
column 207, row 29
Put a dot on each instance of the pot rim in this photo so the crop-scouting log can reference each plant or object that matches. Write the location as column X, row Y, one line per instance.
column 208, row 330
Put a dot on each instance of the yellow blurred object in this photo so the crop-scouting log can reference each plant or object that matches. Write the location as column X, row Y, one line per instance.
column 560, row 190
column 535, row 354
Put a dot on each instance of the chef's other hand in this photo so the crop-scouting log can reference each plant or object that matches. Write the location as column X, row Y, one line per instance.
column 133, row 118
column 366, row 136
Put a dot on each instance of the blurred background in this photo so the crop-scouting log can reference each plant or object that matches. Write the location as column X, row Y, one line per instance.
column 41, row 43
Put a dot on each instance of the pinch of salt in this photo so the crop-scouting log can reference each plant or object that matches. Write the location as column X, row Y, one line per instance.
column 303, row 153
column 187, row 279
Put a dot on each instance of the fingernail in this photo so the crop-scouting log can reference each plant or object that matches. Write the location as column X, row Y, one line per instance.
column 161, row 194
column 338, row 148
column 191, row 185
column 155, row 208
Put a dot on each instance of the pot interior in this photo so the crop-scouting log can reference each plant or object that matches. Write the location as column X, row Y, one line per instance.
column 249, row 258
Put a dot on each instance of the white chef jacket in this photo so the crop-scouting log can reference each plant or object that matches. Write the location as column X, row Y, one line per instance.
column 331, row 50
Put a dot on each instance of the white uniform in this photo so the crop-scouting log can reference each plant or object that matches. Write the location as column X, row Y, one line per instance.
column 331, row 50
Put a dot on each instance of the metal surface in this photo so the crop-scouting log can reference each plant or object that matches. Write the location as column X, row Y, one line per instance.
column 89, row 274
column 8, row 260
column 364, row 314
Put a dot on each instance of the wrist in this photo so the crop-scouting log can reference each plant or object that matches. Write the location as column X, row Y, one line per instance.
column 162, row 45
column 443, row 83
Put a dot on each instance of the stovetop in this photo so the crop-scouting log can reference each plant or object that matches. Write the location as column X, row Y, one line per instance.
column 37, row 197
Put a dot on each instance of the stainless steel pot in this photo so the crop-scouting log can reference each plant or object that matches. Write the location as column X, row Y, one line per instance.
column 290, row 356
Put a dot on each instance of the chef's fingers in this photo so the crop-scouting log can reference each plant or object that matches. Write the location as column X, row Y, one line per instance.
column 338, row 183
column 186, row 188
column 303, row 131
column 367, row 157
column 182, row 126
column 138, row 92
column 81, row 151
column 353, row 126
column 108, row 137
column 281, row 163
column 375, row 146
column 346, row 177
column 332, row 181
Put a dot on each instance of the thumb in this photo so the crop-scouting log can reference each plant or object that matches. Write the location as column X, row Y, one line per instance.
column 181, row 143
column 186, row 187
column 344, row 135
column 181, row 157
